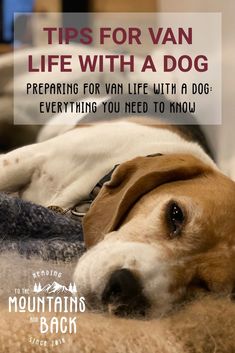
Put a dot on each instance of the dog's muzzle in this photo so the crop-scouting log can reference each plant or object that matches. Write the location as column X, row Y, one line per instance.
column 123, row 294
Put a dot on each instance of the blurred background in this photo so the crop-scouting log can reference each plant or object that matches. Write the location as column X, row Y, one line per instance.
column 221, row 137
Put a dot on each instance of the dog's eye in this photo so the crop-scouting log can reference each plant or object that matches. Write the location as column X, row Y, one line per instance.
column 175, row 218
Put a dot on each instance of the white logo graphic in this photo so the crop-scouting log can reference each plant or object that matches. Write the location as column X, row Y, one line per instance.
column 55, row 287
column 54, row 307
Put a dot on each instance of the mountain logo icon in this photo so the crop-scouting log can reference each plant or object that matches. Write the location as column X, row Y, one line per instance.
column 54, row 287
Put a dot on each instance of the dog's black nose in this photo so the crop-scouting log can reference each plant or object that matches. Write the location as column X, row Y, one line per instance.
column 124, row 291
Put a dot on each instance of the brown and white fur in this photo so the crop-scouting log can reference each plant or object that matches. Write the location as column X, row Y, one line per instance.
column 127, row 226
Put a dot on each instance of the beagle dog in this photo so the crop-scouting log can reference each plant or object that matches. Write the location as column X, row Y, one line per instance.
column 163, row 226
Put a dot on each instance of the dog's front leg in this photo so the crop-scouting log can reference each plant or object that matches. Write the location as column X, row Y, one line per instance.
column 18, row 166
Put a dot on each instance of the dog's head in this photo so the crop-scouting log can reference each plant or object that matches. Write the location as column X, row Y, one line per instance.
column 159, row 231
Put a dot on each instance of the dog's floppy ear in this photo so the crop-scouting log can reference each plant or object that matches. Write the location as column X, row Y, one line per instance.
column 129, row 182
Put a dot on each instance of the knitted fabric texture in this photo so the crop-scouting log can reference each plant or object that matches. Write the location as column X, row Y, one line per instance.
column 33, row 230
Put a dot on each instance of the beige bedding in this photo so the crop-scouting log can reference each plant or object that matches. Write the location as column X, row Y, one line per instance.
column 206, row 325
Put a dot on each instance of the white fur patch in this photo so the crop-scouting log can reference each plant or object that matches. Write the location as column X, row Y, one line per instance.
column 69, row 165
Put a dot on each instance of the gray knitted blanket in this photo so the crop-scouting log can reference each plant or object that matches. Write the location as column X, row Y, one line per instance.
column 33, row 230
